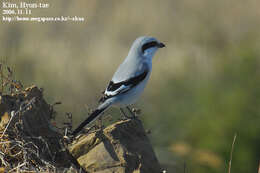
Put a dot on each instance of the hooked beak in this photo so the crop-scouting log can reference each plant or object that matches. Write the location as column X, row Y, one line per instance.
column 160, row 45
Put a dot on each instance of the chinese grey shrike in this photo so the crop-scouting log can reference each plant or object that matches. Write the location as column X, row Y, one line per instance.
column 129, row 79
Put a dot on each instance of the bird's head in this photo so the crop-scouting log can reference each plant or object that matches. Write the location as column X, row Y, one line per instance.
column 146, row 46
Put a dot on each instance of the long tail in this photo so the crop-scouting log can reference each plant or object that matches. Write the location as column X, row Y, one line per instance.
column 94, row 115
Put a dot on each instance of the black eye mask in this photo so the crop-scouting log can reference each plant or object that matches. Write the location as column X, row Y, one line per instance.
column 149, row 45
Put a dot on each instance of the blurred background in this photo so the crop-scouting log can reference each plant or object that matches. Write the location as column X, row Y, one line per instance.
column 204, row 87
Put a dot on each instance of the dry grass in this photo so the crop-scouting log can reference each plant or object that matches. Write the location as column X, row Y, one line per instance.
column 231, row 154
column 20, row 151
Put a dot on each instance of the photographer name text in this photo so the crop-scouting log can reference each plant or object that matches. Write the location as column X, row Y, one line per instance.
column 24, row 12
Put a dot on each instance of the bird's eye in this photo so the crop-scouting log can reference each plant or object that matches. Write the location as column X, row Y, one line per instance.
column 149, row 45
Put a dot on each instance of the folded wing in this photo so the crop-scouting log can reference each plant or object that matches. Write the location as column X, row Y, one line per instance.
column 114, row 89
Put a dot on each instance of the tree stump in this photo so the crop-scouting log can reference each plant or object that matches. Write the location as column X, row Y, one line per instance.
column 27, row 135
column 122, row 147
column 30, row 142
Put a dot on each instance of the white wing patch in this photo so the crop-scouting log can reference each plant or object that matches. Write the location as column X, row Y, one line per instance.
column 121, row 89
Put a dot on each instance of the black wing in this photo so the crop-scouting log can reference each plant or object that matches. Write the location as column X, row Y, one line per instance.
column 129, row 83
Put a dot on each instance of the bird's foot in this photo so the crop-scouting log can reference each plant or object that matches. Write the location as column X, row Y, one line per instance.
column 125, row 116
column 134, row 112
column 100, row 126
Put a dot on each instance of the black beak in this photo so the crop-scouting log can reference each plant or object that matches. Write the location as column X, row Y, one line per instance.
column 160, row 45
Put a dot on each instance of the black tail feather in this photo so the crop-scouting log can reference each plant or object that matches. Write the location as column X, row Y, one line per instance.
column 92, row 116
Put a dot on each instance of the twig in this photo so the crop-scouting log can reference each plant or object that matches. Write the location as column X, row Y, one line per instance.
column 46, row 149
column 68, row 125
column 2, row 80
column 184, row 167
column 2, row 155
column 7, row 142
column 22, row 109
column 259, row 167
column 12, row 115
column 231, row 153
column 19, row 166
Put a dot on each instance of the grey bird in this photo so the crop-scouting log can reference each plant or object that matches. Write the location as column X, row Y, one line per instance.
column 129, row 80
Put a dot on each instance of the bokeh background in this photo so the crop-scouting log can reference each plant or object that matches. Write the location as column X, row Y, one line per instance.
column 205, row 84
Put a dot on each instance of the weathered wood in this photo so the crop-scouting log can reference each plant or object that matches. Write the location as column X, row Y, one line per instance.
column 122, row 147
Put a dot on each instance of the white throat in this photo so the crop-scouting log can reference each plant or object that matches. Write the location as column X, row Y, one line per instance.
column 149, row 53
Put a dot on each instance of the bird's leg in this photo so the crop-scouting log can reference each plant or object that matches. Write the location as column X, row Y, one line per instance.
column 131, row 112
column 124, row 114
column 100, row 123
